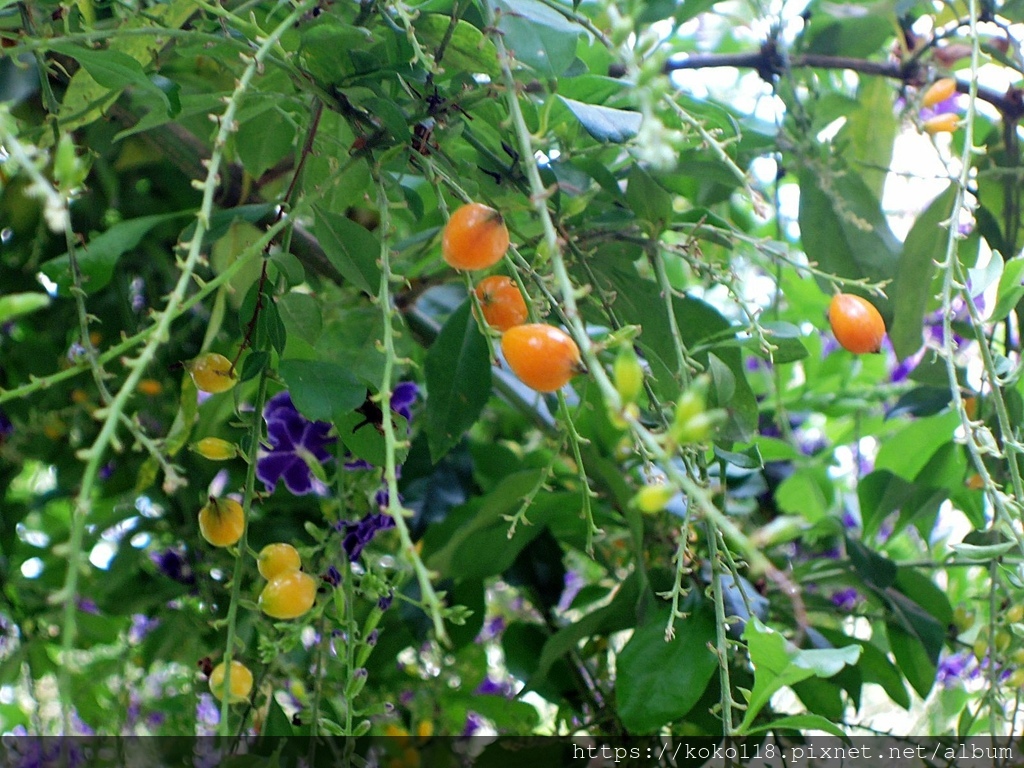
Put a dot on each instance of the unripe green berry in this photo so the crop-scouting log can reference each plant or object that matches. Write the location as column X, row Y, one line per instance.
column 628, row 374
column 653, row 498
column 215, row 449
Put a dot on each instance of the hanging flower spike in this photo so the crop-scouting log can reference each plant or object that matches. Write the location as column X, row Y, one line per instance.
column 296, row 444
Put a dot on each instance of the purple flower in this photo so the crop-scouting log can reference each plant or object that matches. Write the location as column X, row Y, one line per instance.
column 845, row 599
column 956, row 667
column 173, row 564
column 359, row 533
column 491, row 687
column 207, row 712
column 295, row 445
column 141, row 626
column 573, row 583
column 402, row 398
column 473, row 724
column 6, row 427
column 87, row 605
column 849, row 520
column 491, row 629
column 946, row 106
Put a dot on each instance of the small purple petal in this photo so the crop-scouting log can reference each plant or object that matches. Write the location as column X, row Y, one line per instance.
column 297, row 477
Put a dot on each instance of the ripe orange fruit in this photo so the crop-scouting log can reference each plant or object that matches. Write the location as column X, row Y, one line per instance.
column 502, row 303
column 856, row 324
column 288, row 595
column 475, row 237
column 212, row 373
column 947, row 122
column 940, row 90
column 275, row 559
column 241, row 682
column 542, row 356
column 221, row 522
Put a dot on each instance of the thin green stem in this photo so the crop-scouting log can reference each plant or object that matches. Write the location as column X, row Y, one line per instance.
column 394, row 508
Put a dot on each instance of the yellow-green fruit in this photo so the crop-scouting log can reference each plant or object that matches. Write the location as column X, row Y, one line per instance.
column 1003, row 640
column 653, row 498
column 1015, row 613
column 963, row 618
column 696, row 430
column 1016, row 678
column 628, row 375
column 221, row 522
column 212, row 373
column 288, row 595
column 275, row 559
column 215, row 449
column 241, row 682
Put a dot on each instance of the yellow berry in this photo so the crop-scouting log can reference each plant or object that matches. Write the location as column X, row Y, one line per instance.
column 221, row 522
column 940, row 90
column 288, row 595
column 653, row 498
column 215, row 449
column 212, row 373
column 241, row 682
column 947, row 122
column 275, row 559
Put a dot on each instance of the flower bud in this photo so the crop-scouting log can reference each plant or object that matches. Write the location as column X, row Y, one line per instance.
column 628, row 374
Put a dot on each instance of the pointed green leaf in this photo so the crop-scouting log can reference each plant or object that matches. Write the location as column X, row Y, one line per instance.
column 321, row 391
column 658, row 680
column 605, row 123
column 351, row 249
column 537, row 36
column 925, row 245
column 458, row 373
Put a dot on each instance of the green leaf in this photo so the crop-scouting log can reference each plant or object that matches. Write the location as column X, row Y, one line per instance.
column 867, row 137
column 605, row 123
column 843, row 229
column 807, row 492
column 859, row 32
column 875, row 569
column 659, row 681
column 650, row 201
column 907, row 452
column 912, row 659
column 924, row 246
column 113, row 69
column 98, row 258
column 300, row 313
column 263, row 141
column 802, row 723
column 1011, row 288
column 469, row 49
column 17, row 304
column 351, row 249
column 537, row 36
column 880, row 494
column 778, row 663
column 458, row 374
column 321, row 391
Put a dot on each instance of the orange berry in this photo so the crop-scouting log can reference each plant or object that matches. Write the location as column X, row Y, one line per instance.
column 212, row 373
column 221, row 522
column 542, row 356
column 857, row 325
column 150, row 387
column 475, row 237
column 947, row 122
column 275, row 559
column 502, row 303
column 241, row 682
column 288, row 595
column 940, row 90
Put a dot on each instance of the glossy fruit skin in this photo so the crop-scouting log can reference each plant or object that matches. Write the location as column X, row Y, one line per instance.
column 938, row 91
column 475, row 237
column 288, row 595
column 216, row 449
column 241, row 682
column 502, row 303
column 542, row 356
column 275, row 559
column 944, row 123
column 221, row 522
column 856, row 324
column 212, row 373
